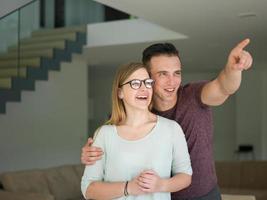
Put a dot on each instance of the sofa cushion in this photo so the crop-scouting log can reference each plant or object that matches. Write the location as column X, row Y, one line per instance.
column 25, row 181
column 79, row 169
column 63, row 182
column 5, row 195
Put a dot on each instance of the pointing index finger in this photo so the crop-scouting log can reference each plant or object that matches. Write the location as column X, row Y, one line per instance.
column 243, row 44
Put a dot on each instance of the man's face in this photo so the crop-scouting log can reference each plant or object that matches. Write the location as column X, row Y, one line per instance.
column 166, row 71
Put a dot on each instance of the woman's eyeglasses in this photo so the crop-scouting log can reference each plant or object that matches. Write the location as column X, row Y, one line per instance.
column 136, row 83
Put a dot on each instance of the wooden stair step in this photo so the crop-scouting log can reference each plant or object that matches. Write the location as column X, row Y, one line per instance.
column 47, row 38
column 48, row 53
column 59, row 30
column 44, row 45
column 5, row 83
column 13, row 72
column 27, row 62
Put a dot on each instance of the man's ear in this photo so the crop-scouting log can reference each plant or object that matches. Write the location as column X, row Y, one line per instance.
column 120, row 94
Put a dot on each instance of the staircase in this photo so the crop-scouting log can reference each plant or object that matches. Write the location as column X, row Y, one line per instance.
column 44, row 51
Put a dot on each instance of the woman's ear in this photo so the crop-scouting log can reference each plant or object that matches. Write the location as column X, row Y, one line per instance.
column 120, row 94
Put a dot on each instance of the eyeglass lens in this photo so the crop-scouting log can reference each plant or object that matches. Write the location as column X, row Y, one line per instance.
column 136, row 84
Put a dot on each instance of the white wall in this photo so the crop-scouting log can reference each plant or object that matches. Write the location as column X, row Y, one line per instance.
column 100, row 84
column 251, row 112
column 128, row 31
column 49, row 126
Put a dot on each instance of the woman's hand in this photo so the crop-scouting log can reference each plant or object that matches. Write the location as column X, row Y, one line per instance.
column 133, row 187
column 150, row 182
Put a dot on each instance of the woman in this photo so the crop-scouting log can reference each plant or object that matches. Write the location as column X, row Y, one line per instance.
column 141, row 149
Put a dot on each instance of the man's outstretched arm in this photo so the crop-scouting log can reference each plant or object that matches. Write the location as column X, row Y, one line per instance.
column 228, row 81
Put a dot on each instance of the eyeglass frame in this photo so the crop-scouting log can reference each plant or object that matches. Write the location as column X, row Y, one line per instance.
column 141, row 81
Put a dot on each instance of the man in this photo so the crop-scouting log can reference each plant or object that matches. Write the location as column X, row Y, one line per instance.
column 189, row 105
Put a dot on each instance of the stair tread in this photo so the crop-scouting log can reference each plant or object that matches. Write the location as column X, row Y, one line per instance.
column 22, row 60
column 27, row 54
column 34, row 62
column 41, row 45
column 48, row 38
column 5, row 83
column 13, row 72
column 59, row 30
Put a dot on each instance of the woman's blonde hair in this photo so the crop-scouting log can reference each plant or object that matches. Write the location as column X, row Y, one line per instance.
column 118, row 113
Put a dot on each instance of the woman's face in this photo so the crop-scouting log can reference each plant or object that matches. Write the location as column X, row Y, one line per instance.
column 136, row 96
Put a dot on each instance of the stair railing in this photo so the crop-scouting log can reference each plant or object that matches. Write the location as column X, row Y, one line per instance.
column 14, row 26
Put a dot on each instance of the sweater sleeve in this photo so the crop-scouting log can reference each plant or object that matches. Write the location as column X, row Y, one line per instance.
column 96, row 171
column 181, row 160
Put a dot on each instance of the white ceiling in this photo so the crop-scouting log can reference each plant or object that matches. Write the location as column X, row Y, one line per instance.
column 213, row 27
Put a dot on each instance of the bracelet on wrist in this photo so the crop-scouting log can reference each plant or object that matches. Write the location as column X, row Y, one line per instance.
column 125, row 189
